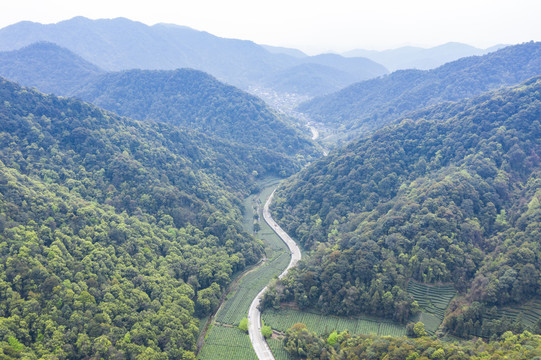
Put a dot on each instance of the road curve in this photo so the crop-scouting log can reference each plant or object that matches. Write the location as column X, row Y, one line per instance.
column 259, row 344
column 314, row 131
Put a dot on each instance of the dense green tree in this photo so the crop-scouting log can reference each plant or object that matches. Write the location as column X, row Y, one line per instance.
column 243, row 325
column 301, row 343
column 115, row 235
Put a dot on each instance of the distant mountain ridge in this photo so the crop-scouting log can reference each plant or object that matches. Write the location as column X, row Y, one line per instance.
column 377, row 102
column 122, row 44
column 282, row 50
column 319, row 74
column 411, row 57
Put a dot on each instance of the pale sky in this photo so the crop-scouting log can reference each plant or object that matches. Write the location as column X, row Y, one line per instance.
column 313, row 25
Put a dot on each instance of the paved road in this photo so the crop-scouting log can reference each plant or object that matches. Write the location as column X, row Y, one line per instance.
column 314, row 131
column 254, row 316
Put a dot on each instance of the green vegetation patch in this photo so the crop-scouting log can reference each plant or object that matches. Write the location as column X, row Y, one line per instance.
column 284, row 319
column 236, row 307
column 300, row 342
column 434, row 300
column 227, row 343
column 278, row 350
column 528, row 314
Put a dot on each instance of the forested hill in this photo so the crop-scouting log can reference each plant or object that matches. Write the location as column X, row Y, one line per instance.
column 450, row 196
column 48, row 67
column 183, row 97
column 196, row 100
column 115, row 233
column 377, row 102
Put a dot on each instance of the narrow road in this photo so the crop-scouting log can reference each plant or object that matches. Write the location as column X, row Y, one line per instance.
column 254, row 316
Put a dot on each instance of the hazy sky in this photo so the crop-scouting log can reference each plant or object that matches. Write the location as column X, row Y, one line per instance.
column 313, row 25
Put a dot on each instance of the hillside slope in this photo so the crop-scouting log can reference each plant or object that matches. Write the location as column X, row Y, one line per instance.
column 452, row 195
column 195, row 100
column 377, row 102
column 116, row 234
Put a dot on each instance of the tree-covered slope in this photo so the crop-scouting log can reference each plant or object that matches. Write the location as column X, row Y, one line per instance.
column 48, row 67
column 195, row 100
column 114, row 234
column 301, row 343
column 377, row 102
column 451, row 195
column 310, row 79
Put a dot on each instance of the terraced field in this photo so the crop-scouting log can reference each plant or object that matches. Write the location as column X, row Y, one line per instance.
column 286, row 318
column 237, row 303
column 227, row 343
column 433, row 299
column 278, row 350
column 528, row 313
column 431, row 321
column 236, row 307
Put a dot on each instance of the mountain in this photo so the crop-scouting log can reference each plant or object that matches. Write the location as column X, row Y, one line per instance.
column 451, row 195
column 308, row 79
column 411, row 57
column 375, row 103
column 282, row 50
column 122, row 44
column 195, row 100
column 321, row 74
column 117, row 235
column 184, row 97
column 358, row 67
column 48, row 67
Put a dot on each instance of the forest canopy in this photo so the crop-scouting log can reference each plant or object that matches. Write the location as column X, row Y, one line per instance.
column 301, row 343
column 116, row 235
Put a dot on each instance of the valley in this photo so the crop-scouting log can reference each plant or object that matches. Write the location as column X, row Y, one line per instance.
column 254, row 315
column 166, row 193
column 238, row 303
